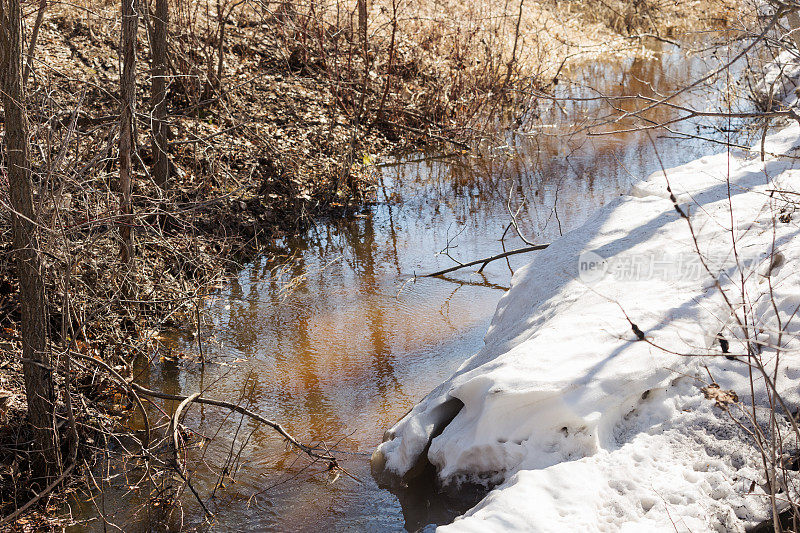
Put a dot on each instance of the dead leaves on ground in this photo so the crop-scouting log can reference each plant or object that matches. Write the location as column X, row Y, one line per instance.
column 722, row 398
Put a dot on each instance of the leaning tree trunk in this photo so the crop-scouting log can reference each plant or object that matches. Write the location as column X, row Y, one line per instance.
column 36, row 360
column 160, row 128
column 130, row 23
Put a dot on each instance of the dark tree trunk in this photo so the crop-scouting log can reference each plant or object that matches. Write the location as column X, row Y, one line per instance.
column 130, row 23
column 36, row 358
column 160, row 127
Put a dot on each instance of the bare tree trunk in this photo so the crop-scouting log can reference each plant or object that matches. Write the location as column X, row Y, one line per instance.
column 130, row 22
column 358, row 116
column 513, row 59
column 160, row 127
column 36, row 359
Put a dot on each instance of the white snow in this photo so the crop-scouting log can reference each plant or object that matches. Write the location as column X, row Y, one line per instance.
column 590, row 429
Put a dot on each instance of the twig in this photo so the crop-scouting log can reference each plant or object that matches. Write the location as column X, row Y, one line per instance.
column 34, row 37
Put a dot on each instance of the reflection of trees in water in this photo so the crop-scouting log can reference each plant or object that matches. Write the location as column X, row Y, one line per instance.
column 260, row 319
column 324, row 420
column 240, row 319
column 574, row 170
column 361, row 239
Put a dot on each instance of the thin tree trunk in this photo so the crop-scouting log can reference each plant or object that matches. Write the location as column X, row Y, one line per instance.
column 36, row 359
column 220, row 45
column 513, row 59
column 362, row 21
column 358, row 116
column 160, row 127
column 130, row 22
column 34, row 37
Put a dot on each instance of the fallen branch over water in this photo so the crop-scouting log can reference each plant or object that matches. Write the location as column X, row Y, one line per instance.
column 136, row 388
column 486, row 261
column 332, row 463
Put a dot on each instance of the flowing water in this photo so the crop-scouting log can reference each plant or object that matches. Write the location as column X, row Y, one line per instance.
column 337, row 340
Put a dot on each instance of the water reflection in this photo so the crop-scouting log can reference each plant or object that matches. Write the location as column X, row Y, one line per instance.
column 336, row 343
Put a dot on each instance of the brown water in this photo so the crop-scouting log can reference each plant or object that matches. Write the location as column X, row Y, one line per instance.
column 338, row 342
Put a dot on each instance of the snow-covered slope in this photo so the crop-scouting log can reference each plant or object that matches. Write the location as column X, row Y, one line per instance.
column 587, row 427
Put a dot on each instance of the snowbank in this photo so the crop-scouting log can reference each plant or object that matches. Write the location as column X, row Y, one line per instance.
column 585, row 426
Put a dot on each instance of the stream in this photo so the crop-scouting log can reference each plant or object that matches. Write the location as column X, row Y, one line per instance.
column 335, row 339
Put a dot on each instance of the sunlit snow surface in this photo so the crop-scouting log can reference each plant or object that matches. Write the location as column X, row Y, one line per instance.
column 588, row 428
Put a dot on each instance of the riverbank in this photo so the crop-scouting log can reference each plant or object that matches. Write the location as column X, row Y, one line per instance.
column 275, row 152
column 614, row 389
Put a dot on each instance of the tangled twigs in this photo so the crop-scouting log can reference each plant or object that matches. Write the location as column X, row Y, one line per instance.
column 129, row 389
column 67, row 471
